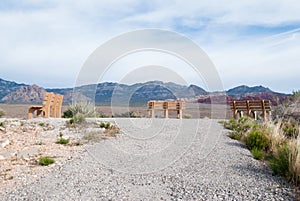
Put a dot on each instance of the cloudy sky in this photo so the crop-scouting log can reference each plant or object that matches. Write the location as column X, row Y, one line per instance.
column 252, row 42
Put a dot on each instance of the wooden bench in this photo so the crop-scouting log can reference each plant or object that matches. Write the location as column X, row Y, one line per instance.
column 251, row 107
column 166, row 106
column 51, row 106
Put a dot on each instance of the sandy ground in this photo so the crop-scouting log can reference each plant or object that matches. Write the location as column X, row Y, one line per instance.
column 23, row 142
column 194, row 110
column 158, row 159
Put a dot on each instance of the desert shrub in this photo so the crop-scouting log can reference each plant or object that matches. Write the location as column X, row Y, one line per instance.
column 187, row 116
column 257, row 154
column 2, row 113
column 112, row 131
column 280, row 163
column 290, row 129
column 62, row 140
column 239, row 127
column 105, row 125
column 84, row 108
column 129, row 114
column 91, row 137
column 46, row 160
column 68, row 113
column 1, row 123
column 78, row 119
column 103, row 115
column 257, row 139
column 236, row 135
column 79, row 111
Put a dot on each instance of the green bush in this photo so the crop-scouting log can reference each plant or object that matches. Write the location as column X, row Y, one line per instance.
column 280, row 163
column 102, row 125
column 290, row 129
column 46, row 160
column 62, row 141
column 105, row 125
column 239, row 127
column 257, row 139
column 68, row 113
column 257, row 154
column 2, row 113
column 72, row 121
column 1, row 123
column 236, row 135
column 78, row 119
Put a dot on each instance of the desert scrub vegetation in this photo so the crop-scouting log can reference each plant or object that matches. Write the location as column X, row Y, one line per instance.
column 275, row 141
column 79, row 112
column 130, row 114
column 187, row 116
column 46, row 160
column 91, row 137
column 105, row 125
column 239, row 127
column 62, row 140
column 110, row 130
column 2, row 113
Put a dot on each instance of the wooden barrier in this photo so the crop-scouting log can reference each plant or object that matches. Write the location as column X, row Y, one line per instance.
column 166, row 106
column 51, row 106
column 251, row 107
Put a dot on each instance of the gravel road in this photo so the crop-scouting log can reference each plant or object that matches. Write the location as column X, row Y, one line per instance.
column 156, row 159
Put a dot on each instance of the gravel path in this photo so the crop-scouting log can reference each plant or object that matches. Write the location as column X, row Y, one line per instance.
column 161, row 160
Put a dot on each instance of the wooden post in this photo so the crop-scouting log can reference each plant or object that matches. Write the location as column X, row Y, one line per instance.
column 241, row 113
column 179, row 114
column 166, row 113
column 166, row 109
column 234, row 109
column 248, row 108
column 263, row 109
column 152, row 113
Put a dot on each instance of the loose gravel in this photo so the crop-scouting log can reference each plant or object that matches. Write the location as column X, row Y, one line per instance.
column 156, row 159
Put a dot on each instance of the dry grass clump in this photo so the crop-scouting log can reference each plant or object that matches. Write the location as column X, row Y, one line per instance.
column 276, row 141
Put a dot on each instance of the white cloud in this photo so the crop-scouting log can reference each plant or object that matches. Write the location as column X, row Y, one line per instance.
column 56, row 37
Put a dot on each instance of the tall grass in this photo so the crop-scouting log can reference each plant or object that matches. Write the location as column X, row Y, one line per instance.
column 278, row 142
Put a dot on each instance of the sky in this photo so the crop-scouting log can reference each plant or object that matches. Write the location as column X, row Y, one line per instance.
column 250, row 42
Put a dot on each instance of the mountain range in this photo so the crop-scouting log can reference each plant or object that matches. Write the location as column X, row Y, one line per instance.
column 137, row 94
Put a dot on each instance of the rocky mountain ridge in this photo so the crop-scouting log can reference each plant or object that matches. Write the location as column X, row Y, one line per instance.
column 108, row 93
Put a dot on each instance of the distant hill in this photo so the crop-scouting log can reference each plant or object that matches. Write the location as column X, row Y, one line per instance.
column 243, row 89
column 244, row 92
column 108, row 93
column 7, row 87
column 25, row 94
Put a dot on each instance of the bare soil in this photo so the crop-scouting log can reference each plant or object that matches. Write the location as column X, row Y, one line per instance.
column 193, row 110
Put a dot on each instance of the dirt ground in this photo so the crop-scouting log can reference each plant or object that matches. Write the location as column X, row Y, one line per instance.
column 192, row 110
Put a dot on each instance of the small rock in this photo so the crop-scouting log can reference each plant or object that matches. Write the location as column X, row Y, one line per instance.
column 2, row 129
column 5, row 143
